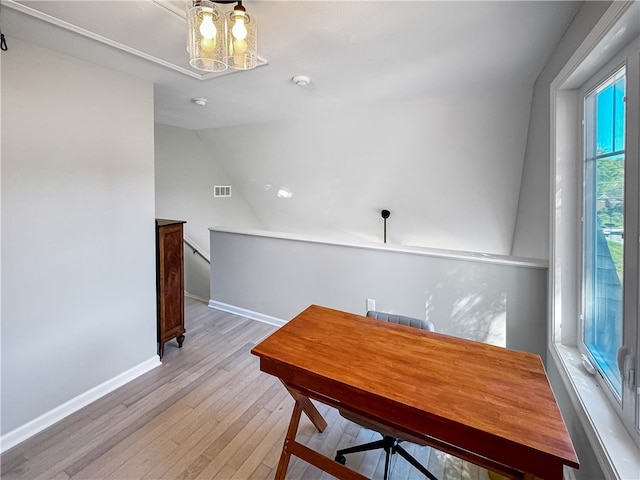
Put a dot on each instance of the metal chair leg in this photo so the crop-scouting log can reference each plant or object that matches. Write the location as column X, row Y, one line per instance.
column 388, row 450
column 390, row 445
column 409, row 458
column 362, row 448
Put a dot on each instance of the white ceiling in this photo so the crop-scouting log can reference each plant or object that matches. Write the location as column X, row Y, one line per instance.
column 356, row 53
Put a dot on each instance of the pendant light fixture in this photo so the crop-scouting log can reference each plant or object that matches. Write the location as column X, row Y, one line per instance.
column 216, row 42
column 206, row 42
column 243, row 39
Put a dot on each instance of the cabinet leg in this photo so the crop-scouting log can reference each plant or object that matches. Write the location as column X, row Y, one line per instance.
column 161, row 350
column 180, row 340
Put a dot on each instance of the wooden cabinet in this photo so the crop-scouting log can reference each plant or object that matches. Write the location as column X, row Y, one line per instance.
column 170, row 282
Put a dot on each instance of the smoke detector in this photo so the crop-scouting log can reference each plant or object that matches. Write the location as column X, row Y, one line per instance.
column 301, row 80
column 201, row 102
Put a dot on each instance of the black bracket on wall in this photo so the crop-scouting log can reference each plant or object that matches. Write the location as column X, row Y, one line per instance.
column 385, row 214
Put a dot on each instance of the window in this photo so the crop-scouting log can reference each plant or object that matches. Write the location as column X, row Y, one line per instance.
column 603, row 226
column 608, row 334
column 594, row 282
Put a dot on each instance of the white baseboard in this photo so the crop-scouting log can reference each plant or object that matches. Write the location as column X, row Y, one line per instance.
column 45, row 420
column 243, row 312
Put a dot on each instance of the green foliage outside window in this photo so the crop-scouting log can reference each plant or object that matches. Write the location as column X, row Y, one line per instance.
column 610, row 205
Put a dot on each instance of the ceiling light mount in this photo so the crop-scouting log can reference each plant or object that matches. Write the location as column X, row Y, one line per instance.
column 217, row 41
column 301, row 80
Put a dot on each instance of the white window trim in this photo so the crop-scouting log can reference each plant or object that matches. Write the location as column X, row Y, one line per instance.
column 613, row 447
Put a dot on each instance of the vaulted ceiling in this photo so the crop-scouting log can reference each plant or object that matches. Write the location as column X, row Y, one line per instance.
column 420, row 107
column 355, row 52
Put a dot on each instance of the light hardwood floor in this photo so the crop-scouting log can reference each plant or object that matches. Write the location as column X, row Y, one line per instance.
column 207, row 412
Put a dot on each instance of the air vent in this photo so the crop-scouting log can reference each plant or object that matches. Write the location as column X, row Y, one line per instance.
column 221, row 191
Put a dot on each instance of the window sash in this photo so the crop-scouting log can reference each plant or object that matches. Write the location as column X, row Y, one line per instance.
column 623, row 398
column 603, row 257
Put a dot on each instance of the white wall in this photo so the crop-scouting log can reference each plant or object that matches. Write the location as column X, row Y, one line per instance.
column 531, row 236
column 447, row 167
column 532, row 228
column 185, row 173
column 78, row 265
column 496, row 301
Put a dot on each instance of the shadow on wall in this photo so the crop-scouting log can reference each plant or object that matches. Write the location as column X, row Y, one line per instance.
column 477, row 314
column 488, row 301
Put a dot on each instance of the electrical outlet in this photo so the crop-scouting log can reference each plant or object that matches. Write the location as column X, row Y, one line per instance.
column 371, row 304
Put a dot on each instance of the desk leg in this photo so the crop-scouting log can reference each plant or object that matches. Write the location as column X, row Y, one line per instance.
column 312, row 412
column 308, row 408
column 291, row 447
column 283, row 464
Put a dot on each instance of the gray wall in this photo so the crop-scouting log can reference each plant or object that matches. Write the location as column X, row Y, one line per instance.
column 503, row 304
column 78, row 266
column 196, row 274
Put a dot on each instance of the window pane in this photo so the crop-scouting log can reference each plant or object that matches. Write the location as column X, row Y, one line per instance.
column 603, row 325
column 610, row 205
column 604, row 124
column 604, row 227
column 619, row 113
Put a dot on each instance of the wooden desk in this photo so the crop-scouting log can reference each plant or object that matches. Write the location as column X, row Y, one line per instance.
column 485, row 404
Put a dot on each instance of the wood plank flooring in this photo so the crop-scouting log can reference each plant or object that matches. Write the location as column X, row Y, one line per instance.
column 207, row 412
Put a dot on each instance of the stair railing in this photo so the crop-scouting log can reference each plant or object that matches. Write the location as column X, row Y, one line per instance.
column 195, row 249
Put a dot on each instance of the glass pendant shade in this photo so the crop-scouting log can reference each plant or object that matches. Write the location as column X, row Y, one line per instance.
column 242, row 38
column 206, row 37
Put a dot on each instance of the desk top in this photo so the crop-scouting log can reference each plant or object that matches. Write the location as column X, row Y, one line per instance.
column 478, row 397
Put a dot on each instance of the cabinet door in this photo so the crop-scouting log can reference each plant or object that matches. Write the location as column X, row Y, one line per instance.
column 171, row 280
